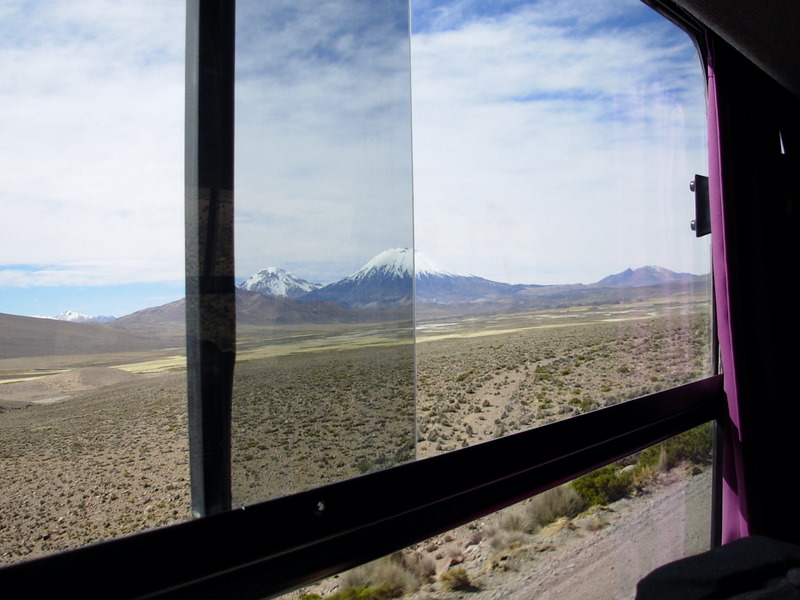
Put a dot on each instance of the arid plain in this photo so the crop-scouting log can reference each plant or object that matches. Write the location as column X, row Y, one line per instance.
column 94, row 446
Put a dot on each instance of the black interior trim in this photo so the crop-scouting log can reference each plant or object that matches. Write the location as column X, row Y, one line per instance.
column 210, row 285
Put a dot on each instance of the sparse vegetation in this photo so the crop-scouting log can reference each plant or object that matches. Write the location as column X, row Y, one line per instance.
column 603, row 486
column 320, row 417
column 108, row 462
column 693, row 446
column 537, row 376
column 456, row 580
column 383, row 591
column 561, row 501
column 306, row 419
column 388, row 577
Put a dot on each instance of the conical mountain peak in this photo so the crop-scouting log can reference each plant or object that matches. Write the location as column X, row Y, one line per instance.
column 401, row 262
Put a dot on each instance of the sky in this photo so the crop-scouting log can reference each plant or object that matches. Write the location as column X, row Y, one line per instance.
column 91, row 110
column 556, row 138
column 553, row 142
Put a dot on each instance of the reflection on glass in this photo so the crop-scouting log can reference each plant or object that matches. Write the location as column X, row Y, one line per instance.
column 93, row 432
column 594, row 537
column 324, row 379
column 553, row 147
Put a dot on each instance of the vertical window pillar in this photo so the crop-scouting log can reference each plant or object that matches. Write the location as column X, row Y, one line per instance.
column 210, row 288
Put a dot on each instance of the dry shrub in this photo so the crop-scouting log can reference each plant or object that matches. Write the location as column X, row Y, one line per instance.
column 456, row 580
column 561, row 501
column 643, row 475
column 595, row 518
column 421, row 565
column 389, row 571
column 596, row 522
column 665, row 462
column 507, row 540
column 375, row 592
column 552, row 529
column 515, row 519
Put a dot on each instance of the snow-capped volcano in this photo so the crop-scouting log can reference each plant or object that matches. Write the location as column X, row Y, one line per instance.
column 383, row 281
column 386, row 280
column 76, row 317
column 274, row 281
column 401, row 262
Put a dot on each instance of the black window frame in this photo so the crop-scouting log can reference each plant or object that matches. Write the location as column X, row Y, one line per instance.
column 281, row 544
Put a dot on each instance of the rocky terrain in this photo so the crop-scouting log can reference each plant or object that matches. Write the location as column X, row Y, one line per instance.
column 481, row 387
column 308, row 419
column 108, row 457
column 599, row 554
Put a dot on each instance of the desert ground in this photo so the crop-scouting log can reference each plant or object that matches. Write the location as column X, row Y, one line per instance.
column 96, row 447
column 598, row 554
column 90, row 454
column 312, row 418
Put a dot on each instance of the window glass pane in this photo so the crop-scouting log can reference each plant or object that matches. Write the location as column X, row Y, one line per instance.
column 557, row 273
column 93, row 440
column 324, row 378
column 594, row 537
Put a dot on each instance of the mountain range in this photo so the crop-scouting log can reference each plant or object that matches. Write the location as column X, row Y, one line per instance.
column 383, row 289
column 76, row 317
column 386, row 280
column 399, row 275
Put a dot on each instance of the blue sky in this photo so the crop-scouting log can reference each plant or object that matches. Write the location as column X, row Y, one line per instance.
column 553, row 143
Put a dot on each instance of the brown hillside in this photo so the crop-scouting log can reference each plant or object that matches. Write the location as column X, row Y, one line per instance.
column 30, row 336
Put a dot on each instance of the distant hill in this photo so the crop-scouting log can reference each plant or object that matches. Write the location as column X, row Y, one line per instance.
column 32, row 336
column 643, row 276
column 533, row 298
column 435, row 285
column 252, row 308
column 171, row 314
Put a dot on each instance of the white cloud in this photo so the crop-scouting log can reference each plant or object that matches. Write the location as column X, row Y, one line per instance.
column 527, row 135
column 90, row 273
column 91, row 109
column 554, row 146
column 323, row 171
column 552, row 142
